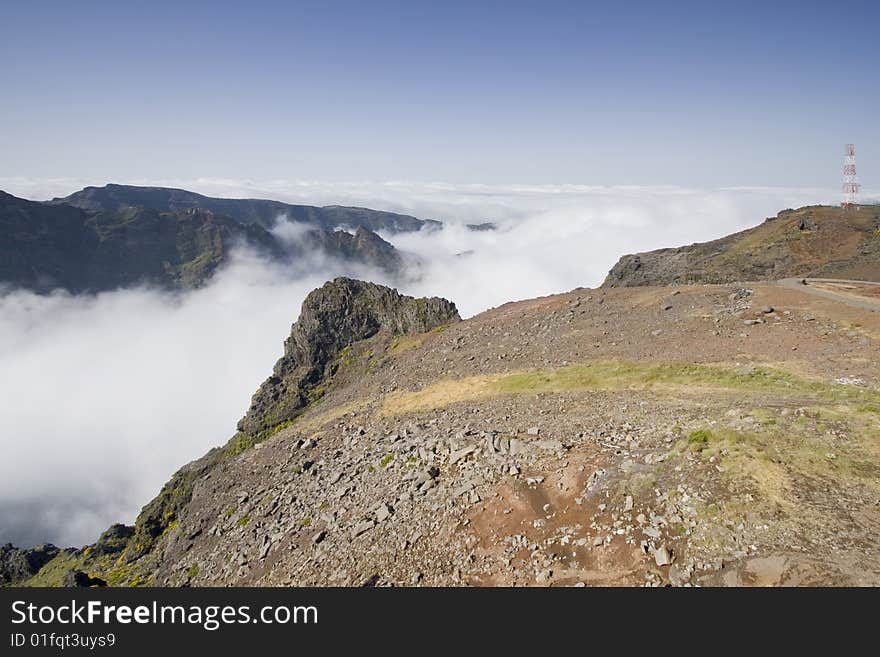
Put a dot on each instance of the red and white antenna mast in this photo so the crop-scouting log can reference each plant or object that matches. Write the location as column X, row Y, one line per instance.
column 850, row 179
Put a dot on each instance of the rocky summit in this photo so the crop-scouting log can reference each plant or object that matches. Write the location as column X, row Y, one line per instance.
column 815, row 242
column 333, row 318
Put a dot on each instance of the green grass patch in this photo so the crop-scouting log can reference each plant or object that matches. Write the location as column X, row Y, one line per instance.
column 700, row 438
column 605, row 375
column 624, row 375
column 52, row 574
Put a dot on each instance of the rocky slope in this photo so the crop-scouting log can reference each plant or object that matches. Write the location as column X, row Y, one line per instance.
column 695, row 435
column 115, row 198
column 815, row 242
column 50, row 246
column 334, row 320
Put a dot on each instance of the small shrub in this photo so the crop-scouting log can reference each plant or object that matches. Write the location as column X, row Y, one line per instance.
column 699, row 438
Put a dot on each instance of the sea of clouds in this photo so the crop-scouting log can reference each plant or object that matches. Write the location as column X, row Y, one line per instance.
column 104, row 396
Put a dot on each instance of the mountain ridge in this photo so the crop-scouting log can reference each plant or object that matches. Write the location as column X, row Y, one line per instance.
column 261, row 211
column 50, row 246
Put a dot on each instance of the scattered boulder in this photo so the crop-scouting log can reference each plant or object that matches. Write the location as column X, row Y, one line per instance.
column 79, row 579
column 661, row 556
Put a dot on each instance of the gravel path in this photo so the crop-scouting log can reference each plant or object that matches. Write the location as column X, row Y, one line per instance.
column 798, row 284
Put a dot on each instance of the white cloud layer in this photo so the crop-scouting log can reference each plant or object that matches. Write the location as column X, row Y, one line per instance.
column 105, row 396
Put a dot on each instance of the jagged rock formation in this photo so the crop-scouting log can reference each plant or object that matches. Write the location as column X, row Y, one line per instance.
column 364, row 247
column 18, row 564
column 814, row 242
column 115, row 198
column 333, row 317
column 50, row 246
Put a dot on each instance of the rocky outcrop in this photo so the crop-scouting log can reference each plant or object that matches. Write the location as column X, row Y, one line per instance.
column 333, row 317
column 815, row 241
column 364, row 247
column 114, row 539
column 18, row 564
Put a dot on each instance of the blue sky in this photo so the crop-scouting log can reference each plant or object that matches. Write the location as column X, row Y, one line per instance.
column 685, row 93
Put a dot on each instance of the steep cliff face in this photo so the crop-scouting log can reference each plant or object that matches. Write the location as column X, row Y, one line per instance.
column 333, row 317
column 818, row 241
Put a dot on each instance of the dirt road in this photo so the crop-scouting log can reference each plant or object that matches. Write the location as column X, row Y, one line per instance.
column 857, row 294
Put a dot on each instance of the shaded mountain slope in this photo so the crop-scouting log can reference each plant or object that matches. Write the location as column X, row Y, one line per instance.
column 18, row 565
column 50, row 246
column 263, row 212
column 815, row 242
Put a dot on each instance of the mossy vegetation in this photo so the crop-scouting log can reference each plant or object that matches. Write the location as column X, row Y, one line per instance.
column 242, row 442
column 53, row 573
column 820, row 443
column 115, row 569
column 406, row 342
